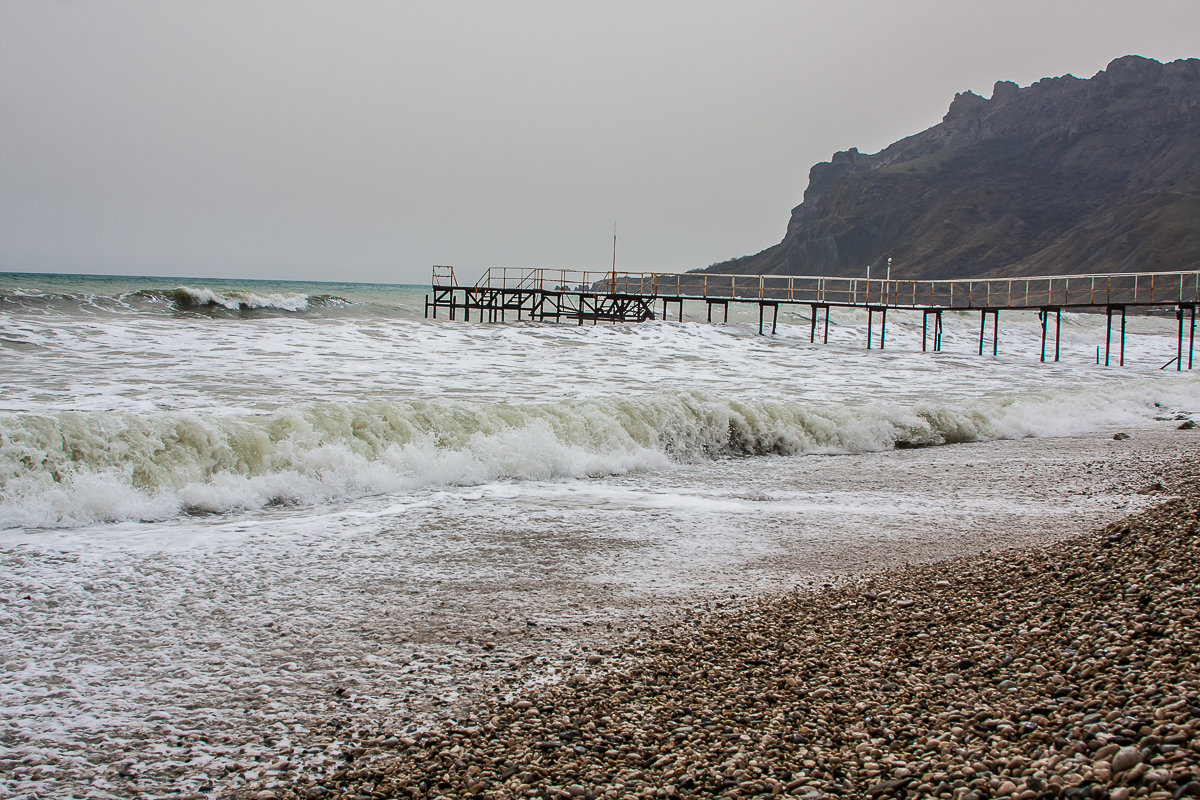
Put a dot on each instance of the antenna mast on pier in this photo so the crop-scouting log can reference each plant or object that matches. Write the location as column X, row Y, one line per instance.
column 614, row 266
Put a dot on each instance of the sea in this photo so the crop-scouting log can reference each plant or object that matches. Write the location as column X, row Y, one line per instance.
column 233, row 510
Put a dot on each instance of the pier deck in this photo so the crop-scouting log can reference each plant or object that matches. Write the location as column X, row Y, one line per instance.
column 579, row 296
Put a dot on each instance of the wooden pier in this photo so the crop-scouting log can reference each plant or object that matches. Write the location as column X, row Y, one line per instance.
column 578, row 296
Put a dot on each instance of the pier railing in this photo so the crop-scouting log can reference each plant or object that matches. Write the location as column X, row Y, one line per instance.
column 1124, row 289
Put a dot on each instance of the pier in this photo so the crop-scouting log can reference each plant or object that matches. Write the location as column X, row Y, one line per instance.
column 579, row 296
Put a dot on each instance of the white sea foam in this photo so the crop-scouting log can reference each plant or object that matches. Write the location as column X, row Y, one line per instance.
column 74, row 469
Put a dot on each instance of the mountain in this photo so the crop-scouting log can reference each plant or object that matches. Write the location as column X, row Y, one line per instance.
column 1066, row 176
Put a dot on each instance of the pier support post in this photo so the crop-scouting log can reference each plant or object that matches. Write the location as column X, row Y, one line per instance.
column 1179, row 350
column 1042, row 319
column 936, row 313
column 827, row 324
column 995, row 312
column 1057, row 331
column 1192, row 338
column 871, row 326
column 1108, row 333
column 1122, row 336
column 812, row 328
column 762, row 311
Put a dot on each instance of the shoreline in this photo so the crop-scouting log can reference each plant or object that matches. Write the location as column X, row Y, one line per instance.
column 208, row 693
column 1029, row 672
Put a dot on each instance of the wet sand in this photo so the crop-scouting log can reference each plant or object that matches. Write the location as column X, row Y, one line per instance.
column 1060, row 663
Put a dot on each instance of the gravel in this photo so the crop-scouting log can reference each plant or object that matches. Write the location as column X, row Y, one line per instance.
column 1065, row 670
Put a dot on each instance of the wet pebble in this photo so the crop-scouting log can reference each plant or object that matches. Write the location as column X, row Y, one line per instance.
column 1069, row 670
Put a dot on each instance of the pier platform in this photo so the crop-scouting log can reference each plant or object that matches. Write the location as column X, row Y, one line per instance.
column 580, row 297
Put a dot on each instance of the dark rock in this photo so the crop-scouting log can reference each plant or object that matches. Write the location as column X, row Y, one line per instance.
column 1004, row 90
column 886, row 787
column 1126, row 758
column 1064, row 176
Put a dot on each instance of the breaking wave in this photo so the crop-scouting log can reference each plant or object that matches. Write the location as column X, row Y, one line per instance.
column 78, row 468
column 187, row 299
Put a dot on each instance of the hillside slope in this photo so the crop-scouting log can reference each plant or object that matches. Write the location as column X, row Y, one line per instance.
column 1064, row 176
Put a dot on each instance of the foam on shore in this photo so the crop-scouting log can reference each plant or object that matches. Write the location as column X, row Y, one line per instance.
column 1066, row 670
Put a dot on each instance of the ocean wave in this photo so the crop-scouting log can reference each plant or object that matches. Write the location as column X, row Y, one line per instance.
column 202, row 300
column 30, row 300
column 187, row 298
column 77, row 468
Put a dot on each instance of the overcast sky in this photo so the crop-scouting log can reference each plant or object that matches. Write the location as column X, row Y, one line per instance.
column 368, row 141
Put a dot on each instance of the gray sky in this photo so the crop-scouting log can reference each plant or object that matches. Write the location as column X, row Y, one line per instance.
column 358, row 140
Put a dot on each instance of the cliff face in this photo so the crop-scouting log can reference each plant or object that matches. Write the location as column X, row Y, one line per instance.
column 1064, row 176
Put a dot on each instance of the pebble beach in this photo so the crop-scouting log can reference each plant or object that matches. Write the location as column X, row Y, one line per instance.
column 1070, row 669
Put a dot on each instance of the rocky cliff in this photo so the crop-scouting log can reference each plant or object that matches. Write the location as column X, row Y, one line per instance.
column 1064, row 176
